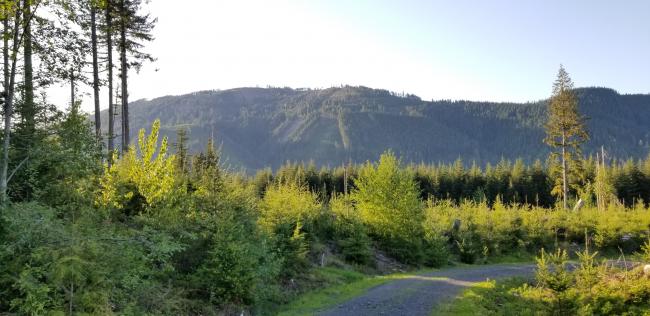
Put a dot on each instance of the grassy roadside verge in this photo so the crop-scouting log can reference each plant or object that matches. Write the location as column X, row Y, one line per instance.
column 341, row 285
column 486, row 298
column 351, row 284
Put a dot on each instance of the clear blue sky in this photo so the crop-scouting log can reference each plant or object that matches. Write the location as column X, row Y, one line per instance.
column 478, row 50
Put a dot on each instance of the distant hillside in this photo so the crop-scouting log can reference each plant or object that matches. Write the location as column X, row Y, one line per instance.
column 261, row 127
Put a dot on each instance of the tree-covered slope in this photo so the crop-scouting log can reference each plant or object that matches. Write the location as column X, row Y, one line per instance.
column 261, row 127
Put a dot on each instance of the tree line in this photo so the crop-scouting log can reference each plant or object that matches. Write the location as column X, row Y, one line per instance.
column 625, row 181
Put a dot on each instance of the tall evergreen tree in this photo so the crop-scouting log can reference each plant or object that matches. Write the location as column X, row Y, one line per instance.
column 565, row 128
column 93, row 41
column 28, row 106
column 134, row 28
column 108, row 33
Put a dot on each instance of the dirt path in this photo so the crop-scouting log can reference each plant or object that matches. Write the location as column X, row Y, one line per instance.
column 418, row 295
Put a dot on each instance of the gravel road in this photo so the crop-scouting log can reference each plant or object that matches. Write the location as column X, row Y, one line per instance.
column 418, row 295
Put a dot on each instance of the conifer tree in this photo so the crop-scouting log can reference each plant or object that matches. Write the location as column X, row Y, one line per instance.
column 109, row 12
column 565, row 128
column 387, row 199
column 93, row 40
column 28, row 108
column 134, row 28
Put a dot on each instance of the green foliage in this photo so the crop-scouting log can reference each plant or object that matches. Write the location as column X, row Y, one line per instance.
column 289, row 213
column 149, row 236
column 289, row 203
column 512, row 183
column 645, row 251
column 142, row 179
column 552, row 271
column 599, row 289
column 387, row 199
column 350, row 234
column 472, row 229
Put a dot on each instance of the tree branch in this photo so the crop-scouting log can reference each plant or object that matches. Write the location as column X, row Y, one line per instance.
column 16, row 169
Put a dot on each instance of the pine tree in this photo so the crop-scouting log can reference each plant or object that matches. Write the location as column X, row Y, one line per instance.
column 134, row 28
column 108, row 33
column 93, row 41
column 387, row 198
column 28, row 108
column 565, row 128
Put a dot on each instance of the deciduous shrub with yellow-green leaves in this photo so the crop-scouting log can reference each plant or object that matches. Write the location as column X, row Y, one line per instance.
column 142, row 179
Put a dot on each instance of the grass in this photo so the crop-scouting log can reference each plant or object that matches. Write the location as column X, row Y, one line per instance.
column 466, row 303
column 489, row 298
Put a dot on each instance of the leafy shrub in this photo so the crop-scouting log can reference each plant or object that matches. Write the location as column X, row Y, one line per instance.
column 142, row 180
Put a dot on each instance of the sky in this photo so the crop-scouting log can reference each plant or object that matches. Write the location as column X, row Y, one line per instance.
column 497, row 50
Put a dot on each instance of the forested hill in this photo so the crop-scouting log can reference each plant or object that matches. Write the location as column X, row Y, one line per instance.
column 261, row 127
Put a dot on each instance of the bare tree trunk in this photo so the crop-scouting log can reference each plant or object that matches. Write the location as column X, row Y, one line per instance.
column 111, row 105
column 93, row 39
column 124, row 77
column 7, row 110
column 564, row 173
column 10, row 83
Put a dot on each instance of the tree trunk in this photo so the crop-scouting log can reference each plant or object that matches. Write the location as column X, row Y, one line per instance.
column 9, row 84
column 7, row 110
column 28, row 112
column 124, row 77
column 93, row 39
column 564, row 173
column 111, row 105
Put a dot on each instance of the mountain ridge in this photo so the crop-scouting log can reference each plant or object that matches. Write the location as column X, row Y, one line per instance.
column 260, row 127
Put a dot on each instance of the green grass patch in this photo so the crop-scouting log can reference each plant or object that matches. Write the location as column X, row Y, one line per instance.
column 490, row 298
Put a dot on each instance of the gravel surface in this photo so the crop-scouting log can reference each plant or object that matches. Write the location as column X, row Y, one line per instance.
column 418, row 295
